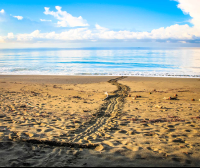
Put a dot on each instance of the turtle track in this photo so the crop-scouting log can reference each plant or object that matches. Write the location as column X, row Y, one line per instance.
column 109, row 111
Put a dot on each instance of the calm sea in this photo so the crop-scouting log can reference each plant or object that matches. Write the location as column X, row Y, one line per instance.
column 171, row 62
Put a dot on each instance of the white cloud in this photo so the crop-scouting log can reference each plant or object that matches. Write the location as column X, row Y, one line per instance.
column 44, row 20
column 98, row 27
column 10, row 35
column 2, row 11
column 174, row 33
column 182, row 41
column 1, row 39
column 191, row 7
column 18, row 17
column 178, row 33
column 29, row 37
column 66, row 19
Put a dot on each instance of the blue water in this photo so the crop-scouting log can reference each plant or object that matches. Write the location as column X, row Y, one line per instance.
column 171, row 62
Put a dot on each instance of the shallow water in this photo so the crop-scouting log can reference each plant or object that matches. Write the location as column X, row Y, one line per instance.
column 172, row 62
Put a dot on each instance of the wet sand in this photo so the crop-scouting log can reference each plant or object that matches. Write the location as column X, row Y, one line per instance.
column 68, row 121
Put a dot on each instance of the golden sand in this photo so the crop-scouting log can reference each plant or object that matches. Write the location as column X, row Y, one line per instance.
column 68, row 121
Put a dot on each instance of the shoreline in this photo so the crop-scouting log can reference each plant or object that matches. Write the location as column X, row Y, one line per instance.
column 82, row 79
column 162, row 76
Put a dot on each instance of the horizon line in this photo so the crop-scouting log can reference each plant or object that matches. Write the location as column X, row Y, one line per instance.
column 80, row 48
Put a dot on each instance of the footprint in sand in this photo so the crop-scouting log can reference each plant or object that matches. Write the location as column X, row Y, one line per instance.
column 122, row 131
column 149, row 148
column 39, row 130
column 178, row 140
column 170, row 126
column 48, row 130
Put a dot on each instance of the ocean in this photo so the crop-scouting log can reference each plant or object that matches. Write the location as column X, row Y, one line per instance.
column 138, row 61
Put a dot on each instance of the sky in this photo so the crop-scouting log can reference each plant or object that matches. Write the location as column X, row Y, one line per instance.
column 99, row 23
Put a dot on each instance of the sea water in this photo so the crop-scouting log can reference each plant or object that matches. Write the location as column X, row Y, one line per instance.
column 156, row 62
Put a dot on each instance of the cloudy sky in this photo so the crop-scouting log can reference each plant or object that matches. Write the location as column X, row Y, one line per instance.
column 93, row 23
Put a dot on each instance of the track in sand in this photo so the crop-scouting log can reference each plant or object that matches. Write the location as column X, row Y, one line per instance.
column 101, row 121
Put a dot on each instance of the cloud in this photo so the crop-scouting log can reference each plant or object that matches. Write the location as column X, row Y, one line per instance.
column 29, row 37
column 2, row 11
column 191, row 7
column 18, row 17
column 73, row 34
column 98, row 27
column 1, row 39
column 66, row 19
column 10, row 36
column 44, row 20
column 174, row 33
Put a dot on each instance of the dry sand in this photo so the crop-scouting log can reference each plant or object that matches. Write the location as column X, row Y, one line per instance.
column 68, row 121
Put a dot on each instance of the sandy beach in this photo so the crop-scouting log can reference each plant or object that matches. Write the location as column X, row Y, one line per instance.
column 70, row 121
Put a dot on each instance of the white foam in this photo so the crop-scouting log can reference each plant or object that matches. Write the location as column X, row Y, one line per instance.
column 7, row 71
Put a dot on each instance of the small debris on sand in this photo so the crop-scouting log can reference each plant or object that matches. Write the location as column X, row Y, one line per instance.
column 158, row 106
